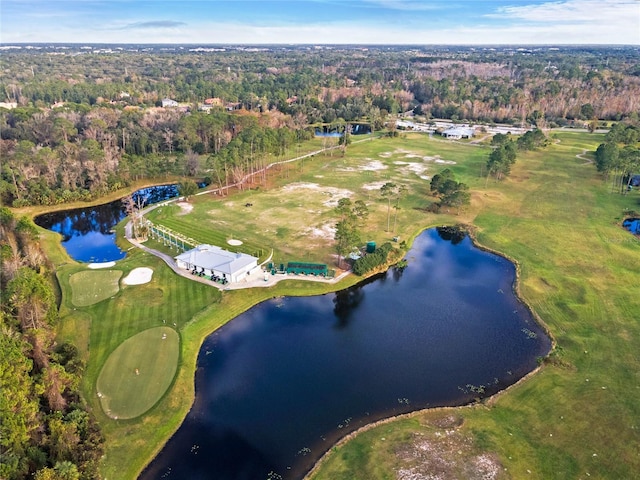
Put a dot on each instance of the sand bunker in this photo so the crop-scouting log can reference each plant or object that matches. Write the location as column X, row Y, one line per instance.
column 138, row 276
column 235, row 243
column 185, row 207
column 94, row 266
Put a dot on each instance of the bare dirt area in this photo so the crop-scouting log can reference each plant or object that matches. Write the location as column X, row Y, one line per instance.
column 442, row 451
column 325, row 232
column 185, row 207
column 332, row 194
column 413, row 167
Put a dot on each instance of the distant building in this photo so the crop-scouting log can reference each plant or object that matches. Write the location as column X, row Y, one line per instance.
column 457, row 133
column 213, row 101
column 214, row 261
column 167, row 102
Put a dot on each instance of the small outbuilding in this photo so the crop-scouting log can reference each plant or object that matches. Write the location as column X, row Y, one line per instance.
column 217, row 263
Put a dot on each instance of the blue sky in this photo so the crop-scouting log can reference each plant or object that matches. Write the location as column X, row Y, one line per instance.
column 322, row 21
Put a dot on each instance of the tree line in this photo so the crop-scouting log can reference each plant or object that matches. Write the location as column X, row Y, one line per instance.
column 500, row 85
column 619, row 156
column 80, row 153
column 46, row 431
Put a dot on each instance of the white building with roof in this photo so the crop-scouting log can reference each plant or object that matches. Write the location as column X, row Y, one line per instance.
column 215, row 261
column 458, row 132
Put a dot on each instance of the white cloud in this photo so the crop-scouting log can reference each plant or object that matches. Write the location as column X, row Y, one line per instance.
column 155, row 24
column 555, row 22
column 589, row 11
column 419, row 5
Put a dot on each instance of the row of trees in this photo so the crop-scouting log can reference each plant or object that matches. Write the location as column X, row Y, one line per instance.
column 619, row 156
column 45, row 430
column 70, row 154
column 619, row 163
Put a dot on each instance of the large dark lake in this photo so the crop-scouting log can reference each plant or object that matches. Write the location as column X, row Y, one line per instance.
column 87, row 233
column 280, row 384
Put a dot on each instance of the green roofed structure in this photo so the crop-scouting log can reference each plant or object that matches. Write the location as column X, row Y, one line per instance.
column 301, row 268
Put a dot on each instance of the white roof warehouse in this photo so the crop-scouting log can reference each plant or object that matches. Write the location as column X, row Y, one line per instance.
column 212, row 260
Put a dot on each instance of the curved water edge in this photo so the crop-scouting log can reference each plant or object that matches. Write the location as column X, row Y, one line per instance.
column 471, row 232
column 88, row 232
column 356, row 336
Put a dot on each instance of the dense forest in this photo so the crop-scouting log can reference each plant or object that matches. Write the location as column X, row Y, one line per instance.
column 45, row 430
column 82, row 121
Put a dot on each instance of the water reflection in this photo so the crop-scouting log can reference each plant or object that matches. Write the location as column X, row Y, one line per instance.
column 87, row 233
column 278, row 385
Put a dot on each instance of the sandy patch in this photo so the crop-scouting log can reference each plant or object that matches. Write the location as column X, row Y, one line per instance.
column 326, row 231
column 370, row 166
column 437, row 159
column 301, row 186
column 445, row 452
column 94, row 266
column 413, row 167
column 374, row 185
column 234, row 242
column 444, row 162
column 333, row 193
column 138, row 276
column 185, row 207
column 373, row 165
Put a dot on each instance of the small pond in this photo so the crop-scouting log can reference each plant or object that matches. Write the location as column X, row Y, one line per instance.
column 87, row 233
column 277, row 386
column 633, row 225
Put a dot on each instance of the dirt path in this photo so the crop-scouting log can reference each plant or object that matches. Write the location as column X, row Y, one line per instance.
column 582, row 157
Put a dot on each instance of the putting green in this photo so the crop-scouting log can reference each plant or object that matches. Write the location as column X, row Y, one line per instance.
column 138, row 373
column 93, row 286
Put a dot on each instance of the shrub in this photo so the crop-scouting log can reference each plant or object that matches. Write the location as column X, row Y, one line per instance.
column 372, row 260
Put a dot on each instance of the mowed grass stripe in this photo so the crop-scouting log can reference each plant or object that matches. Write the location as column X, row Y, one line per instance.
column 140, row 307
column 210, row 236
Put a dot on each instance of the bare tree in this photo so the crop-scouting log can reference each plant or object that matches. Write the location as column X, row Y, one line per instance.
column 133, row 207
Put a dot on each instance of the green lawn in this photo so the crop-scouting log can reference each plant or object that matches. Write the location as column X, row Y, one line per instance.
column 138, row 373
column 579, row 271
column 93, row 286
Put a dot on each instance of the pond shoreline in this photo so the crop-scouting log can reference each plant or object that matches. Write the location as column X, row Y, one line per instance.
column 467, row 399
column 471, row 231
